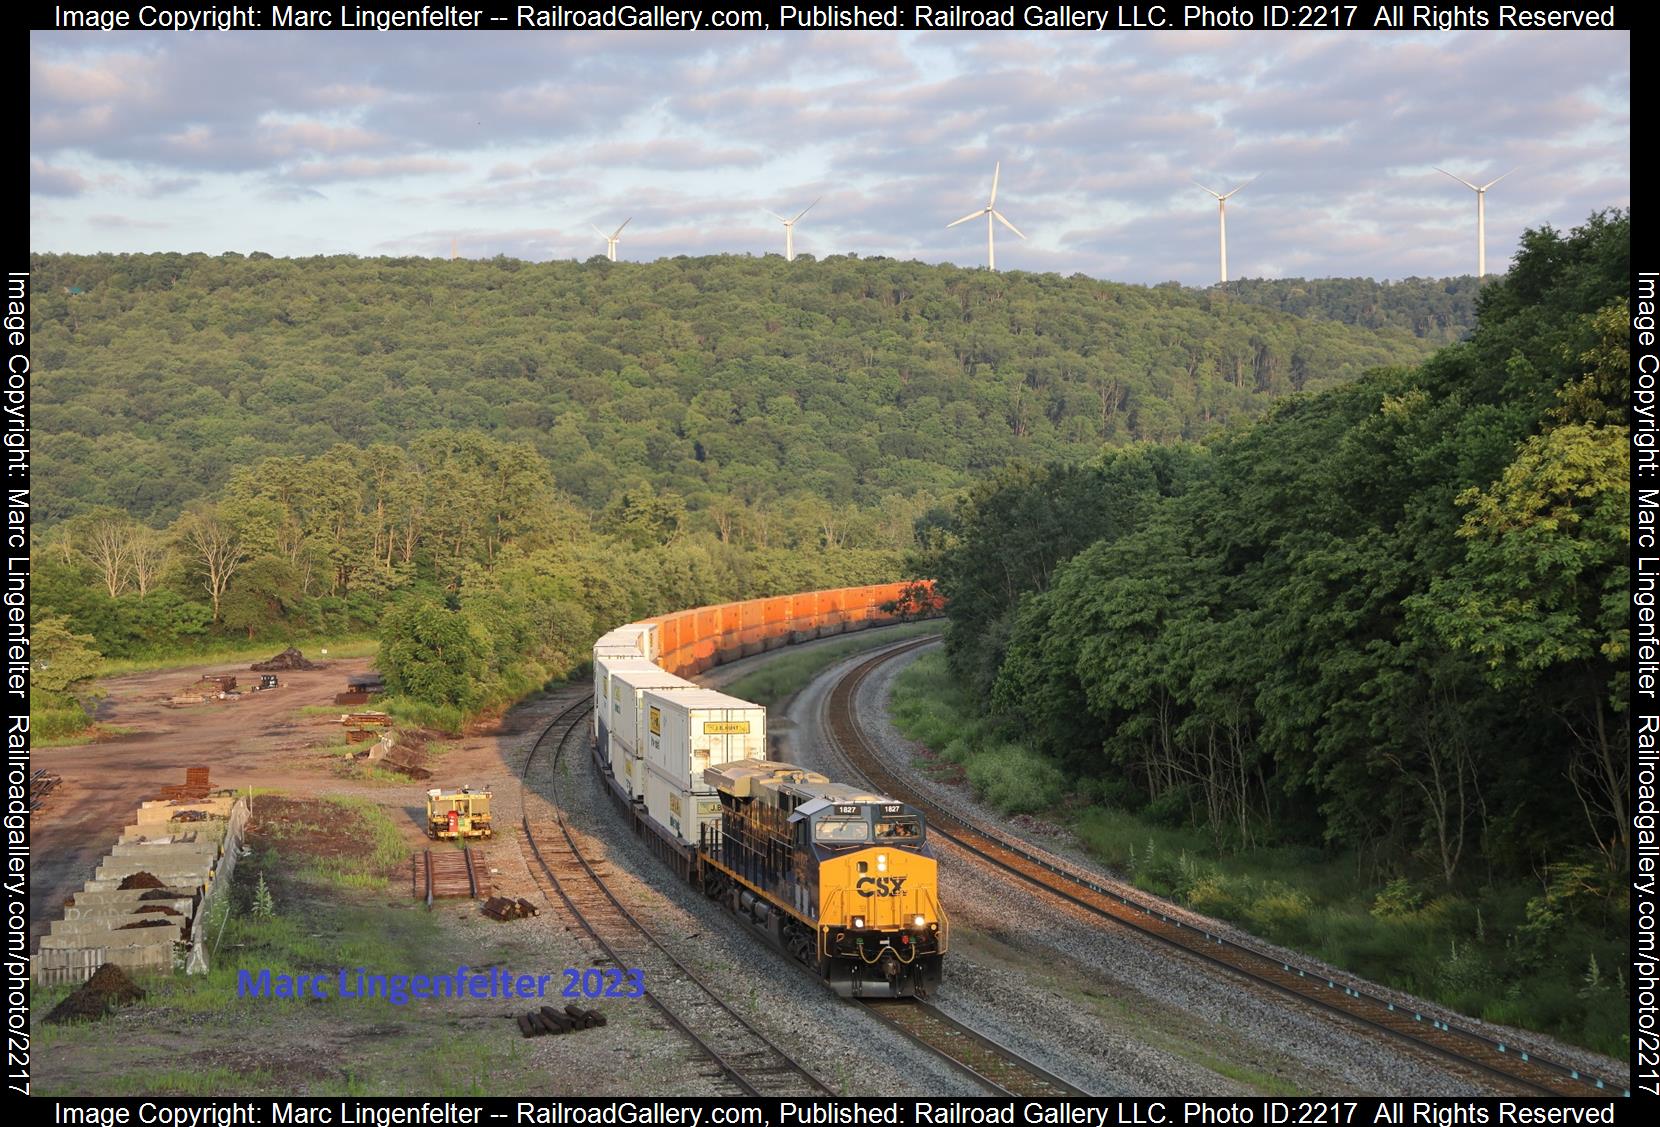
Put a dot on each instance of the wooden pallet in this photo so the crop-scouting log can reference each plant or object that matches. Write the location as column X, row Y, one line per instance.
column 444, row 874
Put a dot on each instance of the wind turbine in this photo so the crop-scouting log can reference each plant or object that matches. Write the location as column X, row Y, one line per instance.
column 613, row 238
column 789, row 228
column 1481, row 217
column 991, row 213
column 1222, row 217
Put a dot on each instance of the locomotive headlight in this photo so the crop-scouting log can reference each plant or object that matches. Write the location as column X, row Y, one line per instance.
column 858, row 921
column 881, row 862
column 920, row 921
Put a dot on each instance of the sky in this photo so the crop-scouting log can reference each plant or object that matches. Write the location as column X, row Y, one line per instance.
column 520, row 143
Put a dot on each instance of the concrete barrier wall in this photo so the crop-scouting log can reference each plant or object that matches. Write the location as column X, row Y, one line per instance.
column 194, row 859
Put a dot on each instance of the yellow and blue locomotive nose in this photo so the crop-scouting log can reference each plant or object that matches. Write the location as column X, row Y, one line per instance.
column 881, row 926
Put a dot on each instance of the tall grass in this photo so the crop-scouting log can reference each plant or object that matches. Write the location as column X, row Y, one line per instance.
column 788, row 673
column 930, row 707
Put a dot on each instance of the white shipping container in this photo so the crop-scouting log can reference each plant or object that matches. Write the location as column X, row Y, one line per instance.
column 680, row 809
column 641, row 637
column 627, row 686
column 630, row 773
column 605, row 656
column 689, row 731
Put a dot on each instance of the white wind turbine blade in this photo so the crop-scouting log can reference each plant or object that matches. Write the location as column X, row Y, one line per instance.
column 806, row 209
column 970, row 215
column 1005, row 222
column 1461, row 179
column 1242, row 187
column 995, row 173
column 1495, row 180
column 598, row 232
column 775, row 215
column 1217, row 194
column 625, row 223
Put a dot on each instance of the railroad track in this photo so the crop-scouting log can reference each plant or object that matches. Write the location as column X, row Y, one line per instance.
column 751, row 1062
column 450, row 873
column 1097, row 896
column 974, row 1054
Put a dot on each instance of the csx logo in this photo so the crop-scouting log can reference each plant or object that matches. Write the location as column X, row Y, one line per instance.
column 878, row 886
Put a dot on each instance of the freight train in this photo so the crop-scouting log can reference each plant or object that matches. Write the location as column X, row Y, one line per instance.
column 840, row 878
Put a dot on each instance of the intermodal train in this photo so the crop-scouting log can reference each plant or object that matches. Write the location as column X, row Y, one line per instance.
column 840, row 878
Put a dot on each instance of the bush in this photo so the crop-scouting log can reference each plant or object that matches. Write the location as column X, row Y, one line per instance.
column 1015, row 779
column 47, row 722
column 1397, row 898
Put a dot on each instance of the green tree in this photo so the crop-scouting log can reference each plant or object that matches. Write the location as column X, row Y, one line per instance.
column 64, row 663
column 1542, row 598
column 432, row 654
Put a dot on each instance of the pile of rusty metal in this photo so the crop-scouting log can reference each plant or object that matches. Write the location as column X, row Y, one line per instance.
column 364, row 727
column 503, row 908
column 196, row 787
column 361, row 688
column 549, row 1020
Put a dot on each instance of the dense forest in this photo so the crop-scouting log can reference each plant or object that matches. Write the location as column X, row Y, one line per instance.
column 1388, row 618
column 526, row 454
column 1438, row 309
column 733, row 382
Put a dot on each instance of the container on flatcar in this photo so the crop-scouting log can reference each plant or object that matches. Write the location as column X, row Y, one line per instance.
column 639, row 636
column 626, row 688
column 607, row 654
column 687, row 732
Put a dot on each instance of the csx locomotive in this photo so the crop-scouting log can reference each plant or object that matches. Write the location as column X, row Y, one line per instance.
column 840, row 878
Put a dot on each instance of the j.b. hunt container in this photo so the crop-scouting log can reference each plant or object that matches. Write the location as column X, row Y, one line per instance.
column 627, row 684
column 685, row 732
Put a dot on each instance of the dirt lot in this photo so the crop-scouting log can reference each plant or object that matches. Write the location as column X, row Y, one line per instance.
column 261, row 739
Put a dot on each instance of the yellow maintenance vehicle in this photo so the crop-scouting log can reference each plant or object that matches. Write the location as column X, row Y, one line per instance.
column 459, row 816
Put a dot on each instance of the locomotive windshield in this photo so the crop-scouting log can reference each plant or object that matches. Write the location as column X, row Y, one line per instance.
column 839, row 830
column 897, row 828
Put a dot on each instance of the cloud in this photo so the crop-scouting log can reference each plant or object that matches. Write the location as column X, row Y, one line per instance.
column 48, row 180
column 362, row 168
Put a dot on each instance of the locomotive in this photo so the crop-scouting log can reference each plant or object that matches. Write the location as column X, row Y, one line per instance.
column 841, row 879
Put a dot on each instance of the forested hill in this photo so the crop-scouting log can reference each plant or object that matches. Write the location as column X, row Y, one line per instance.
column 1437, row 309
column 725, row 379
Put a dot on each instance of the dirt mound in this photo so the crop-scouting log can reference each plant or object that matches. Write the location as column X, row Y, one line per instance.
column 163, row 909
column 139, row 879
column 288, row 659
column 142, row 923
column 161, row 892
column 108, row 988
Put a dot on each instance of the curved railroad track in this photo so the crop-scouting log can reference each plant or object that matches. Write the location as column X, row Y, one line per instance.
column 970, row 1052
column 1101, row 898
column 751, row 1062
